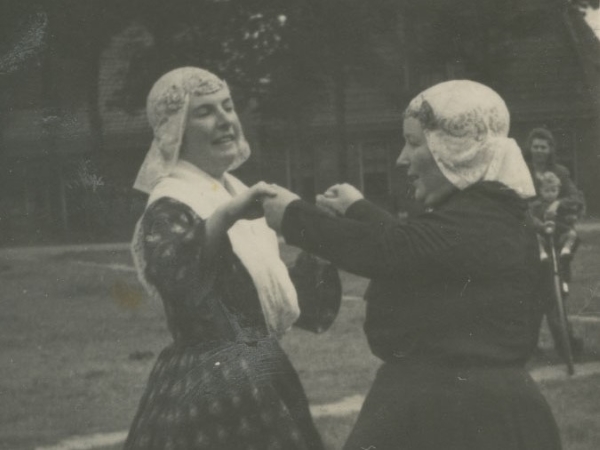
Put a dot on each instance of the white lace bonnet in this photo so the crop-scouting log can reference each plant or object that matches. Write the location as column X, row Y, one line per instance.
column 167, row 109
column 466, row 126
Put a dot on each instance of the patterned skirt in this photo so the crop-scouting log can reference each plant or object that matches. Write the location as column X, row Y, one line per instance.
column 233, row 396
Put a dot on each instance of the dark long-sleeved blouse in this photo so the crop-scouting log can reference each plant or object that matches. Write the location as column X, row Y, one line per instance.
column 453, row 310
column 458, row 284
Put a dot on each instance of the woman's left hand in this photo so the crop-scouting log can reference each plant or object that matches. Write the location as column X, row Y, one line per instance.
column 274, row 206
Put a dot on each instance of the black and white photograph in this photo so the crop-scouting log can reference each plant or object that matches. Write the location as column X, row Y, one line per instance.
column 300, row 225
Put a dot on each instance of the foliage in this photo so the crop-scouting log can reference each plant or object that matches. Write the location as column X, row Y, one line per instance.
column 279, row 53
column 82, row 29
column 475, row 38
column 238, row 40
column 23, row 30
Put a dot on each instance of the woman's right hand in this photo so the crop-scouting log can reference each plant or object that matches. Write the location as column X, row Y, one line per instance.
column 248, row 204
column 338, row 198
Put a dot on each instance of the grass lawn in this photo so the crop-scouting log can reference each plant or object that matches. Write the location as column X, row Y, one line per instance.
column 78, row 339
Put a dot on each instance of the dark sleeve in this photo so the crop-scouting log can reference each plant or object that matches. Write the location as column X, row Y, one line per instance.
column 568, row 189
column 173, row 241
column 365, row 211
column 376, row 248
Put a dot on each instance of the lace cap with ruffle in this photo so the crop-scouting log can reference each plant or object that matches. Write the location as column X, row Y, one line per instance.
column 167, row 109
column 466, row 127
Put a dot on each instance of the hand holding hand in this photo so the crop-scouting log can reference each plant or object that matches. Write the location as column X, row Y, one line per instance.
column 274, row 206
column 338, row 198
column 248, row 205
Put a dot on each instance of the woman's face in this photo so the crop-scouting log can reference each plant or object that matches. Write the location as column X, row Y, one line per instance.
column 431, row 186
column 540, row 151
column 213, row 132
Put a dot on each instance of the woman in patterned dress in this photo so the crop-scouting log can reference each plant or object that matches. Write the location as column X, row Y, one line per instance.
column 203, row 249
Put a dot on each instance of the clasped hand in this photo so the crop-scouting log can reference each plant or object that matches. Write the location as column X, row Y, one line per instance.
column 338, row 198
column 249, row 204
column 271, row 201
column 334, row 201
column 262, row 199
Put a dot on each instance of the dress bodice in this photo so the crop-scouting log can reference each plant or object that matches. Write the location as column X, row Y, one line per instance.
column 205, row 300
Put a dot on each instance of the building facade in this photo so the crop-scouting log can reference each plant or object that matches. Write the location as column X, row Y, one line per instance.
column 543, row 60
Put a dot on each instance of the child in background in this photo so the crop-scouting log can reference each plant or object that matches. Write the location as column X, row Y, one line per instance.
column 551, row 215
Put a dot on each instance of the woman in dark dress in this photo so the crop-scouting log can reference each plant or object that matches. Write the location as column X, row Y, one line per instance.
column 202, row 248
column 541, row 153
column 452, row 307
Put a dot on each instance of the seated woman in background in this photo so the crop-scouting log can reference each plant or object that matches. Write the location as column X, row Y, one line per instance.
column 202, row 248
column 453, row 306
column 541, row 152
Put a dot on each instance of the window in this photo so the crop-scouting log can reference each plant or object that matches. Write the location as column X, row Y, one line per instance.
column 304, row 176
column 376, row 166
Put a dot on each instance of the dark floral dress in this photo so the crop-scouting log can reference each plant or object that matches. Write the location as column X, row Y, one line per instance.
column 223, row 383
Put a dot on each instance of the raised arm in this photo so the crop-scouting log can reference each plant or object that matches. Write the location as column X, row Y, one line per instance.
column 338, row 198
column 174, row 243
column 379, row 248
column 178, row 242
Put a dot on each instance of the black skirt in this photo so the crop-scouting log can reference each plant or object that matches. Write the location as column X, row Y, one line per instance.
column 421, row 406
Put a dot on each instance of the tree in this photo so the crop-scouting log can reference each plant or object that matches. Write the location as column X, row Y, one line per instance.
column 239, row 40
column 283, row 54
column 23, row 39
column 82, row 30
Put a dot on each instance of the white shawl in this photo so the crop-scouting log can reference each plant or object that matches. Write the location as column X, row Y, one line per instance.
column 252, row 241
